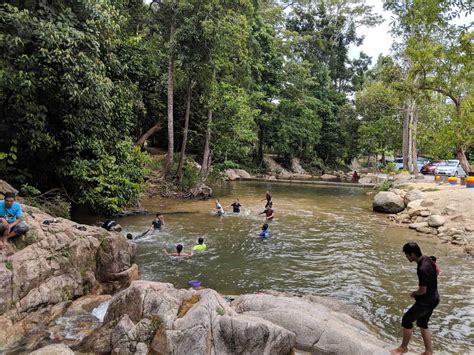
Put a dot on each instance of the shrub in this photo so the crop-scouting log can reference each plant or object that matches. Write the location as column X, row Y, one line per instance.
column 385, row 186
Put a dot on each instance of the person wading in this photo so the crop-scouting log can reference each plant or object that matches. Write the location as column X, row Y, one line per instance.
column 426, row 299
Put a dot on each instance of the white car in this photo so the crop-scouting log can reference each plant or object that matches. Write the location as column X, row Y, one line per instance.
column 420, row 162
column 450, row 168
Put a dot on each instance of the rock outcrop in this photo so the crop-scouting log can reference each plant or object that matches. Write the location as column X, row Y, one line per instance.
column 388, row 202
column 53, row 264
column 152, row 317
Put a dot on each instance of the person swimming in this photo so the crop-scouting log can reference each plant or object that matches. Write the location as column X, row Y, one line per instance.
column 158, row 222
column 268, row 198
column 200, row 246
column 179, row 251
column 265, row 232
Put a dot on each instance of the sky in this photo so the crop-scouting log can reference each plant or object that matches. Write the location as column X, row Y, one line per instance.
column 377, row 39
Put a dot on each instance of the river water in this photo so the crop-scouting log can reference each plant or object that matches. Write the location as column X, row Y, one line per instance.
column 324, row 240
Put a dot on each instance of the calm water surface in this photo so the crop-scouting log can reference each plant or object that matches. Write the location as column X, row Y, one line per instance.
column 324, row 241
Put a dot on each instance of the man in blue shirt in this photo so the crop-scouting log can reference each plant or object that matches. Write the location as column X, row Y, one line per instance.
column 11, row 223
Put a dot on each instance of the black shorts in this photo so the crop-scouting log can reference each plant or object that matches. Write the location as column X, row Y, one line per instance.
column 420, row 313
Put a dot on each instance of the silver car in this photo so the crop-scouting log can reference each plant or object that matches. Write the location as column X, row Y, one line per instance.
column 450, row 168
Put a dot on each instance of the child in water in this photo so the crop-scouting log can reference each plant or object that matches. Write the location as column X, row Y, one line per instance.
column 265, row 232
column 219, row 209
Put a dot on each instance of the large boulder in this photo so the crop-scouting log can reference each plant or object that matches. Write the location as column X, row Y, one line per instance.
column 6, row 187
column 54, row 349
column 319, row 329
column 56, row 263
column 155, row 317
column 243, row 174
column 388, row 202
column 231, row 175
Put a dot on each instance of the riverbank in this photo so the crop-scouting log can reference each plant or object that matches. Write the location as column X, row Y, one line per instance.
column 441, row 210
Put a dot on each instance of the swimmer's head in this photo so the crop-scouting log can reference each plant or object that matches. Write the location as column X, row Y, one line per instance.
column 130, row 236
column 265, row 226
column 179, row 248
column 200, row 240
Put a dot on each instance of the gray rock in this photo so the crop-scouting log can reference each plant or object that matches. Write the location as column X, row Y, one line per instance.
column 418, row 225
column 448, row 210
column 414, row 205
column 424, row 213
column 242, row 173
column 388, row 202
column 427, row 230
column 318, row 329
column 436, row 221
column 414, row 195
column 54, row 349
column 435, row 212
column 231, row 175
column 328, row 177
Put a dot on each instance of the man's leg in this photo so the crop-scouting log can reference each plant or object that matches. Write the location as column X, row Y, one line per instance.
column 422, row 323
column 19, row 229
column 407, row 323
column 426, row 335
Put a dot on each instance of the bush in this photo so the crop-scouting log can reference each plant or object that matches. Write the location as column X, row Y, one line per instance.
column 390, row 168
column 385, row 186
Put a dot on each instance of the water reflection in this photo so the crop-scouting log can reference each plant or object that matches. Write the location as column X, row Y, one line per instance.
column 324, row 241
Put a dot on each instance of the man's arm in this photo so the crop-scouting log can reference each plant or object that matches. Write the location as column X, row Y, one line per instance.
column 165, row 252
column 420, row 292
column 13, row 224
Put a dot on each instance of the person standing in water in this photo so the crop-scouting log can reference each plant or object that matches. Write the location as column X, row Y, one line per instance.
column 268, row 213
column 426, row 299
column 219, row 209
column 235, row 206
column 268, row 198
column 179, row 252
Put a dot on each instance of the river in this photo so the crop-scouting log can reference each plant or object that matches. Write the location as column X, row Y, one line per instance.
column 324, row 240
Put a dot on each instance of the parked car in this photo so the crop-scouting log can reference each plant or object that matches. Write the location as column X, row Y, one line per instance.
column 420, row 162
column 450, row 168
column 429, row 169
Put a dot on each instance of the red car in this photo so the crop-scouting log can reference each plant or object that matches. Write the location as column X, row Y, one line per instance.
column 429, row 169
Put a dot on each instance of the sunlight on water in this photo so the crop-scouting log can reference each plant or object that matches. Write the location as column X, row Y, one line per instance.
column 324, row 241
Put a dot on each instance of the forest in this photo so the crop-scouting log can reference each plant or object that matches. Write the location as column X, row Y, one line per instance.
column 87, row 85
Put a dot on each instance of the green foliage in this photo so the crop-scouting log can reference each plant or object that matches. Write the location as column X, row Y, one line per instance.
column 116, row 179
column 9, row 265
column 385, row 186
column 390, row 168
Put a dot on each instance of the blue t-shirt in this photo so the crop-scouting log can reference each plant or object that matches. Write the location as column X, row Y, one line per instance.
column 12, row 213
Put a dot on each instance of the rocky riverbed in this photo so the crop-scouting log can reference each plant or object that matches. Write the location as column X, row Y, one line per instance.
column 443, row 211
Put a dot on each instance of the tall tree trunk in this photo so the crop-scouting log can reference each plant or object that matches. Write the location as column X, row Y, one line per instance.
column 414, row 149
column 169, row 157
column 147, row 134
column 185, row 130
column 405, row 135
column 462, row 159
column 207, row 152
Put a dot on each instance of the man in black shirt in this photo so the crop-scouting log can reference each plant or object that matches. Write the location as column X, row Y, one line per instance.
column 426, row 299
column 235, row 206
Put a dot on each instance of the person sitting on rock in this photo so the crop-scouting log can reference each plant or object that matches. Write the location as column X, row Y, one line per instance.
column 268, row 213
column 11, row 222
column 179, row 249
column 355, row 177
column 200, row 246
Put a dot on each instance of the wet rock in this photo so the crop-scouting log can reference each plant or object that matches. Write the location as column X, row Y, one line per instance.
column 388, row 202
column 242, row 174
column 436, row 221
column 54, row 349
